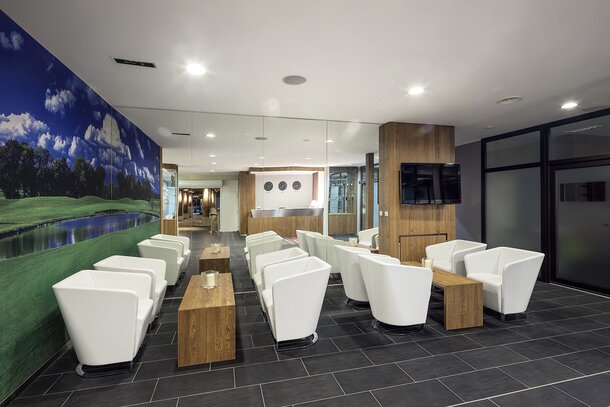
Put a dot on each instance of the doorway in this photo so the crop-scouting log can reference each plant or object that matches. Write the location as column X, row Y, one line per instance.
column 580, row 224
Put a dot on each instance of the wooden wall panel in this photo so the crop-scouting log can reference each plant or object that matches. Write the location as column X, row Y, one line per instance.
column 285, row 226
column 342, row 224
column 413, row 248
column 370, row 191
column 409, row 142
column 247, row 199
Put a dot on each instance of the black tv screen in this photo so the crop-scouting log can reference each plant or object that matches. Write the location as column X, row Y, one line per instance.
column 422, row 184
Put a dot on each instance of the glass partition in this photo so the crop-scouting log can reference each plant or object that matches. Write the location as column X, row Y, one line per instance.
column 580, row 139
column 516, row 150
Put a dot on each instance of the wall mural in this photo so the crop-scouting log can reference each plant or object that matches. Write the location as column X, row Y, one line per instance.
column 78, row 182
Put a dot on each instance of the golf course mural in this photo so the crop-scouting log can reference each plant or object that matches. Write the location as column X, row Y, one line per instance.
column 78, row 182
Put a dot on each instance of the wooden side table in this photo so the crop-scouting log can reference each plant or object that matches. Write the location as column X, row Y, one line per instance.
column 206, row 323
column 220, row 262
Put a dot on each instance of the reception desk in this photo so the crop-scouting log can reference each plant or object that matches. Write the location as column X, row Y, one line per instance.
column 285, row 222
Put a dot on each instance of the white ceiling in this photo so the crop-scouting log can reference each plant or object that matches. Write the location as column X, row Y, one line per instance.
column 359, row 58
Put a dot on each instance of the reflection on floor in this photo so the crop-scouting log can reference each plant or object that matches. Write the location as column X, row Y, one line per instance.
column 559, row 355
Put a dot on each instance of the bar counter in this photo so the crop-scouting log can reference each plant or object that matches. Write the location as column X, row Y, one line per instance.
column 285, row 222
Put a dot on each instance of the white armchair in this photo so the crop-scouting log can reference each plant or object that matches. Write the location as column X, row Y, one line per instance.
column 293, row 298
column 254, row 236
column 324, row 248
column 449, row 256
column 399, row 295
column 309, row 239
column 186, row 243
column 268, row 259
column 170, row 252
column 155, row 268
column 365, row 237
column 302, row 238
column 349, row 266
column 261, row 246
column 508, row 276
column 106, row 313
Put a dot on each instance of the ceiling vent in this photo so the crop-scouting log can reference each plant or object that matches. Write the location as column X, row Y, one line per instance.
column 132, row 62
column 175, row 133
column 509, row 100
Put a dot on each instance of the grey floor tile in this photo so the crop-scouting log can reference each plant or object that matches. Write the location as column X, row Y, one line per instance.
column 540, row 372
column 163, row 403
column 595, row 390
column 583, row 340
column 118, row 395
column 345, row 343
column 300, row 390
column 543, row 316
column 587, row 362
column 600, row 306
column 575, row 311
column 543, row 396
column 369, row 378
column 537, row 331
column 579, row 324
column 250, row 396
column 480, row 403
column 269, row 372
column 360, row 400
column 247, row 357
column 603, row 318
column 40, row 385
column 448, row 344
column 185, row 385
column 540, row 348
column 169, row 327
column 326, row 320
column 605, row 332
column 72, row 381
column 395, row 353
column 332, row 331
column 497, row 337
column 490, row 357
column 50, row 400
column 352, row 317
column 434, row 366
column 150, row 353
column 264, row 339
column 579, row 300
column 165, row 368
column 164, row 338
column 62, row 365
column 335, row 362
column 429, row 393
column 481, row 384
column 428, row 333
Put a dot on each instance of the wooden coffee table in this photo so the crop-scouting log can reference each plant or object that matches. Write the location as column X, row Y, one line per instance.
column 463, row 298
column 220, row 261
column 206, row 322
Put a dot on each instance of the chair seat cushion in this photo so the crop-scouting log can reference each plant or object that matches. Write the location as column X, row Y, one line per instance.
column 443, row 265
column 160, row 287
column 491, row 282
column 268, row 301
column 258, row 280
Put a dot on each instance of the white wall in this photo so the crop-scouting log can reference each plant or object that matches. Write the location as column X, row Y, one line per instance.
column 289, row 198
column 229, row 206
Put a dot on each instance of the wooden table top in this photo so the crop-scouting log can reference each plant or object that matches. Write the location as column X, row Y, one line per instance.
column 225, row 252
column 197, row 297
column 442, row 278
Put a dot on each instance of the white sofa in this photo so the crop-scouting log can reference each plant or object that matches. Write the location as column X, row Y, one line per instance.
column 293, row 297
column 398, row 295
column 449, row 256
column 155, row 268
column 268, row 259
column 324, row 248
column 186, row 243
column 261, row 246
column 106, row 313
column 508, row 276
column 254, row 236
column 349, row 266
column 170, row 252
column 366, row 237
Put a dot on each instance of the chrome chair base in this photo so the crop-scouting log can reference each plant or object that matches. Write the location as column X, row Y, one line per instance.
column 512, row 317
column 298, row 343
column 397, row 330
column 106, row 370
column 357, row 305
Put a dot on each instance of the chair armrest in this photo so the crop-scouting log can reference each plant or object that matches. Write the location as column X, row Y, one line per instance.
column 153, row 275
column 482, row 262
column 440, row 251
column 274, row 272
column 140, row 284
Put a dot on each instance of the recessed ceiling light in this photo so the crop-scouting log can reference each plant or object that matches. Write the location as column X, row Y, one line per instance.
column 195, row 69
column 214, row 163
column 294, row 80
column 210, row 135
column 510, row 99
column 308, row 158
column 491, row 126
column 259, row 138
column 257, row 165
column 569, row 105
column 595, row 126
column 261, row 158
column 212, row 170
column 329, row 141
column 416, row 90
column 306, row 140
column 212, row 155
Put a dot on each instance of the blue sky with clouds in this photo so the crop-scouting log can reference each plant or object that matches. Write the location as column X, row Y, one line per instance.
column 44, row 104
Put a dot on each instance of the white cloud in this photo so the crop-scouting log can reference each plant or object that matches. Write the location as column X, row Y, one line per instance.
column 48, row 141
column 97, row 115
column 60, row 143
column 79, row 148
column 148, row 175
column 12, row 41
column 104, row 135
column 94, row 162
column 20, row 125
column 44, row 140
column 56, row 103
column 139, row 147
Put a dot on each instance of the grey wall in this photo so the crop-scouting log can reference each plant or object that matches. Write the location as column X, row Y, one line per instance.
column 468, row 213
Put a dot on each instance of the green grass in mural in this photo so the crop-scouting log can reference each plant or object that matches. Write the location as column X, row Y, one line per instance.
column 32, row 327
column 22, row 213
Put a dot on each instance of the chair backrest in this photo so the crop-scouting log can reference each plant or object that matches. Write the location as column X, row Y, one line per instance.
column 261, row 246
column 366, row 235
column 155, row 268
column 325, row 248
column 279, row 256
column 178, row 246
column 148, row 249
column 302, row 238
column 298, row 299
column 460, row 250
column 253, row 236
column 309, row 238
column 519, row 270
column 399, row 295
column 186, row 242
column 349, row 266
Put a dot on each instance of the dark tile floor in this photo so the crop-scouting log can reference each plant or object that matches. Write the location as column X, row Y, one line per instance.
column 558, row 356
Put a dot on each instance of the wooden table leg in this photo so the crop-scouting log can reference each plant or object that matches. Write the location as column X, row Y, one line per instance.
column 463, row 306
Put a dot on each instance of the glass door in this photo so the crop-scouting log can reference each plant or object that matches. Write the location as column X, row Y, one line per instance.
column 581, row 225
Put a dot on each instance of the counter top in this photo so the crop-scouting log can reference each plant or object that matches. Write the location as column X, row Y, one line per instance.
column 280, row 213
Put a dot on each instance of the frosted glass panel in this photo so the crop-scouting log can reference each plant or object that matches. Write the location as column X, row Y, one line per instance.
column 524, row 149
column 512, row 209
column 583, row 225
column 581, row 139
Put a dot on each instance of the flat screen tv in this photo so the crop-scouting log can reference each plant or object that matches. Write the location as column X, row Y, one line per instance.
column 424, row 184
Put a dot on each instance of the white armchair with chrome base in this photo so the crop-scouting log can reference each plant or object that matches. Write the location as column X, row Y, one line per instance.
column 365, row 237
column 155, row 268
column 260, row 246
column 106, row 313
column 349, row 266
column 268, row 259
column 398, row 295
column 186, row 243
column 508, row 276
column 293, row 297
column 449, row 256
column 166, row 251
column 254, row 236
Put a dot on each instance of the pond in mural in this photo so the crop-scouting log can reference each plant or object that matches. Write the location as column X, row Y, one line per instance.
column 69, row 232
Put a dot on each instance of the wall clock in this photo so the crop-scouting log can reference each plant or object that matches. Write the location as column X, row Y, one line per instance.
column 282, row 185
column 268, row 186
column 296, row 185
